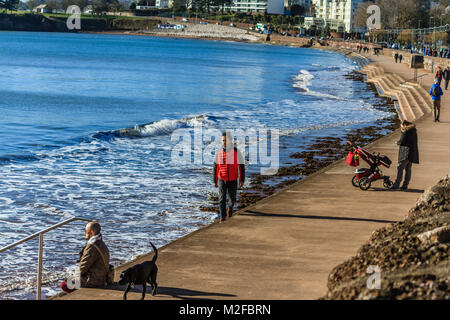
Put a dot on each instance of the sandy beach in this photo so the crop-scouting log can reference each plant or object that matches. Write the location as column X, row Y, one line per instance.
column 197, row 31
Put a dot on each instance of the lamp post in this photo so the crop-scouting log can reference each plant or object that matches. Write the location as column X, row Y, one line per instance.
column 434, row 33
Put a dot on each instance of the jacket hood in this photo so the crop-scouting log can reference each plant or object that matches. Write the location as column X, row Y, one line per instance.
column 409, row 127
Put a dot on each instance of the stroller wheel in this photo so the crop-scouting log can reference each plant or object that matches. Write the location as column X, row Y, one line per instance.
column 365, row 183
column 355, row 182
column 387, row 183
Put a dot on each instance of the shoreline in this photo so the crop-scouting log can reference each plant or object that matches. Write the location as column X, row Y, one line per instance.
column 162, row 35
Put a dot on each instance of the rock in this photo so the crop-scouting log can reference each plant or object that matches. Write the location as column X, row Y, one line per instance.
column 441, row 235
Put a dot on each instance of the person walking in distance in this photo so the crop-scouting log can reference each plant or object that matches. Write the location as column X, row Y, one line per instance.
column 400, row 58
column 436, row 93
column 228, row 171
column 439, row 75
column 408, row 154
column 446, row 76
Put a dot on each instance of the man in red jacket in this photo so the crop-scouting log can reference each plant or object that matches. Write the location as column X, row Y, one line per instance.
column 228, row 168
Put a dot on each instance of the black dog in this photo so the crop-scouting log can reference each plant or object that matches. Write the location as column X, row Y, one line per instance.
column 141, row 274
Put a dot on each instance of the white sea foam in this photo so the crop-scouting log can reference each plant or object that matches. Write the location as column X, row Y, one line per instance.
column 303, row 81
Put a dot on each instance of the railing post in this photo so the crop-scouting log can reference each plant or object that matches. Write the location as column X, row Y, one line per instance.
column 39, row 274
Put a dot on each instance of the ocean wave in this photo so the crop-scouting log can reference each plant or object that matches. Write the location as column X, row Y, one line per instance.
column 156, row 128
column 290, row 132
column 303, row 81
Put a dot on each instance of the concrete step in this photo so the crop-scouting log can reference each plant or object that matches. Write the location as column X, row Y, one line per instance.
column 425, row 104
column 392, row 86
column 405, row 113
column 383, row 87
column 395, row 82
column 399, row 78
column 412, row 104
column 423, row 93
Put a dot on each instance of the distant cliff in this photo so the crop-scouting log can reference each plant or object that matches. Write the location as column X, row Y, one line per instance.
column 38, row 22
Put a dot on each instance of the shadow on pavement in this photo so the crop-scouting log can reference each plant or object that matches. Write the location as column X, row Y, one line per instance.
column 178, row 293
column 397, row 190
column 256, row 213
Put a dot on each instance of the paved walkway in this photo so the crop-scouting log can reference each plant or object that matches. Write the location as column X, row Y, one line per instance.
column 285, row 246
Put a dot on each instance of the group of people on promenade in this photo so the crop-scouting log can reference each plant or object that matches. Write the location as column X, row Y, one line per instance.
column 442, row 53
column 362, row 48
column 398, row 57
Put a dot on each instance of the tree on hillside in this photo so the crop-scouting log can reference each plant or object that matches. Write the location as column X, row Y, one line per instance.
column 438, row 14
column 402, row 14
column 80, row 3
column 31, row 4
column 53, row 5
column 224, row 3
column 361, row 16
column 10, row 5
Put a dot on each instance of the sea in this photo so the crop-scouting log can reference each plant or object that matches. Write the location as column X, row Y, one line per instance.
column 91, row 126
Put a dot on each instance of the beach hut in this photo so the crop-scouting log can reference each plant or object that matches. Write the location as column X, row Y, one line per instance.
column 89, row 9
column 42, row 8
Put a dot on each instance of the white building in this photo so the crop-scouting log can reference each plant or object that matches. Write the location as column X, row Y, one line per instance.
column 42, row 8
column 158, row 4
column 248, row 6
column 162, row 3
column 312, row 21
column 337, row 13
column 257, row 6
column 89, row 9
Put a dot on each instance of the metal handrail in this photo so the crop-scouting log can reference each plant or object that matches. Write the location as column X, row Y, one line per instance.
column 40, row 234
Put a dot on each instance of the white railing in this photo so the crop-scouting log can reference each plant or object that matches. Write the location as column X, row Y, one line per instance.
column 40, row 234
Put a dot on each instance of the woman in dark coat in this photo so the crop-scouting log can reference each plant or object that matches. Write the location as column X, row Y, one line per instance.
column 408, row 154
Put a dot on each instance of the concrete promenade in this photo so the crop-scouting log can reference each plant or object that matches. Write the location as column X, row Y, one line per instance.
column 285, row 246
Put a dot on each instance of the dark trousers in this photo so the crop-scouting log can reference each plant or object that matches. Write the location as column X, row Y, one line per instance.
column 405, row 165
column 225, row 187
column 446, row 84
column 436, row 109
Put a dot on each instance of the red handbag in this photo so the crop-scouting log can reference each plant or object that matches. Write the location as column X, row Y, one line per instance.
column 352, row 159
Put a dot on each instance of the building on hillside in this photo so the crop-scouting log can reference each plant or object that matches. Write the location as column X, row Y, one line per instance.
column 257, row 6
column 312, row 22
column 42, row 8
column 337, row 14
column 162, row 3
column 89, row 9
column 157, row 4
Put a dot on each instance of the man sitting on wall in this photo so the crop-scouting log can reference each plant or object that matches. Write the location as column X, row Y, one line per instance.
column 93, row 262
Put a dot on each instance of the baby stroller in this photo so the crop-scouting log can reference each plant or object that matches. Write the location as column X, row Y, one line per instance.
column 364, row 177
